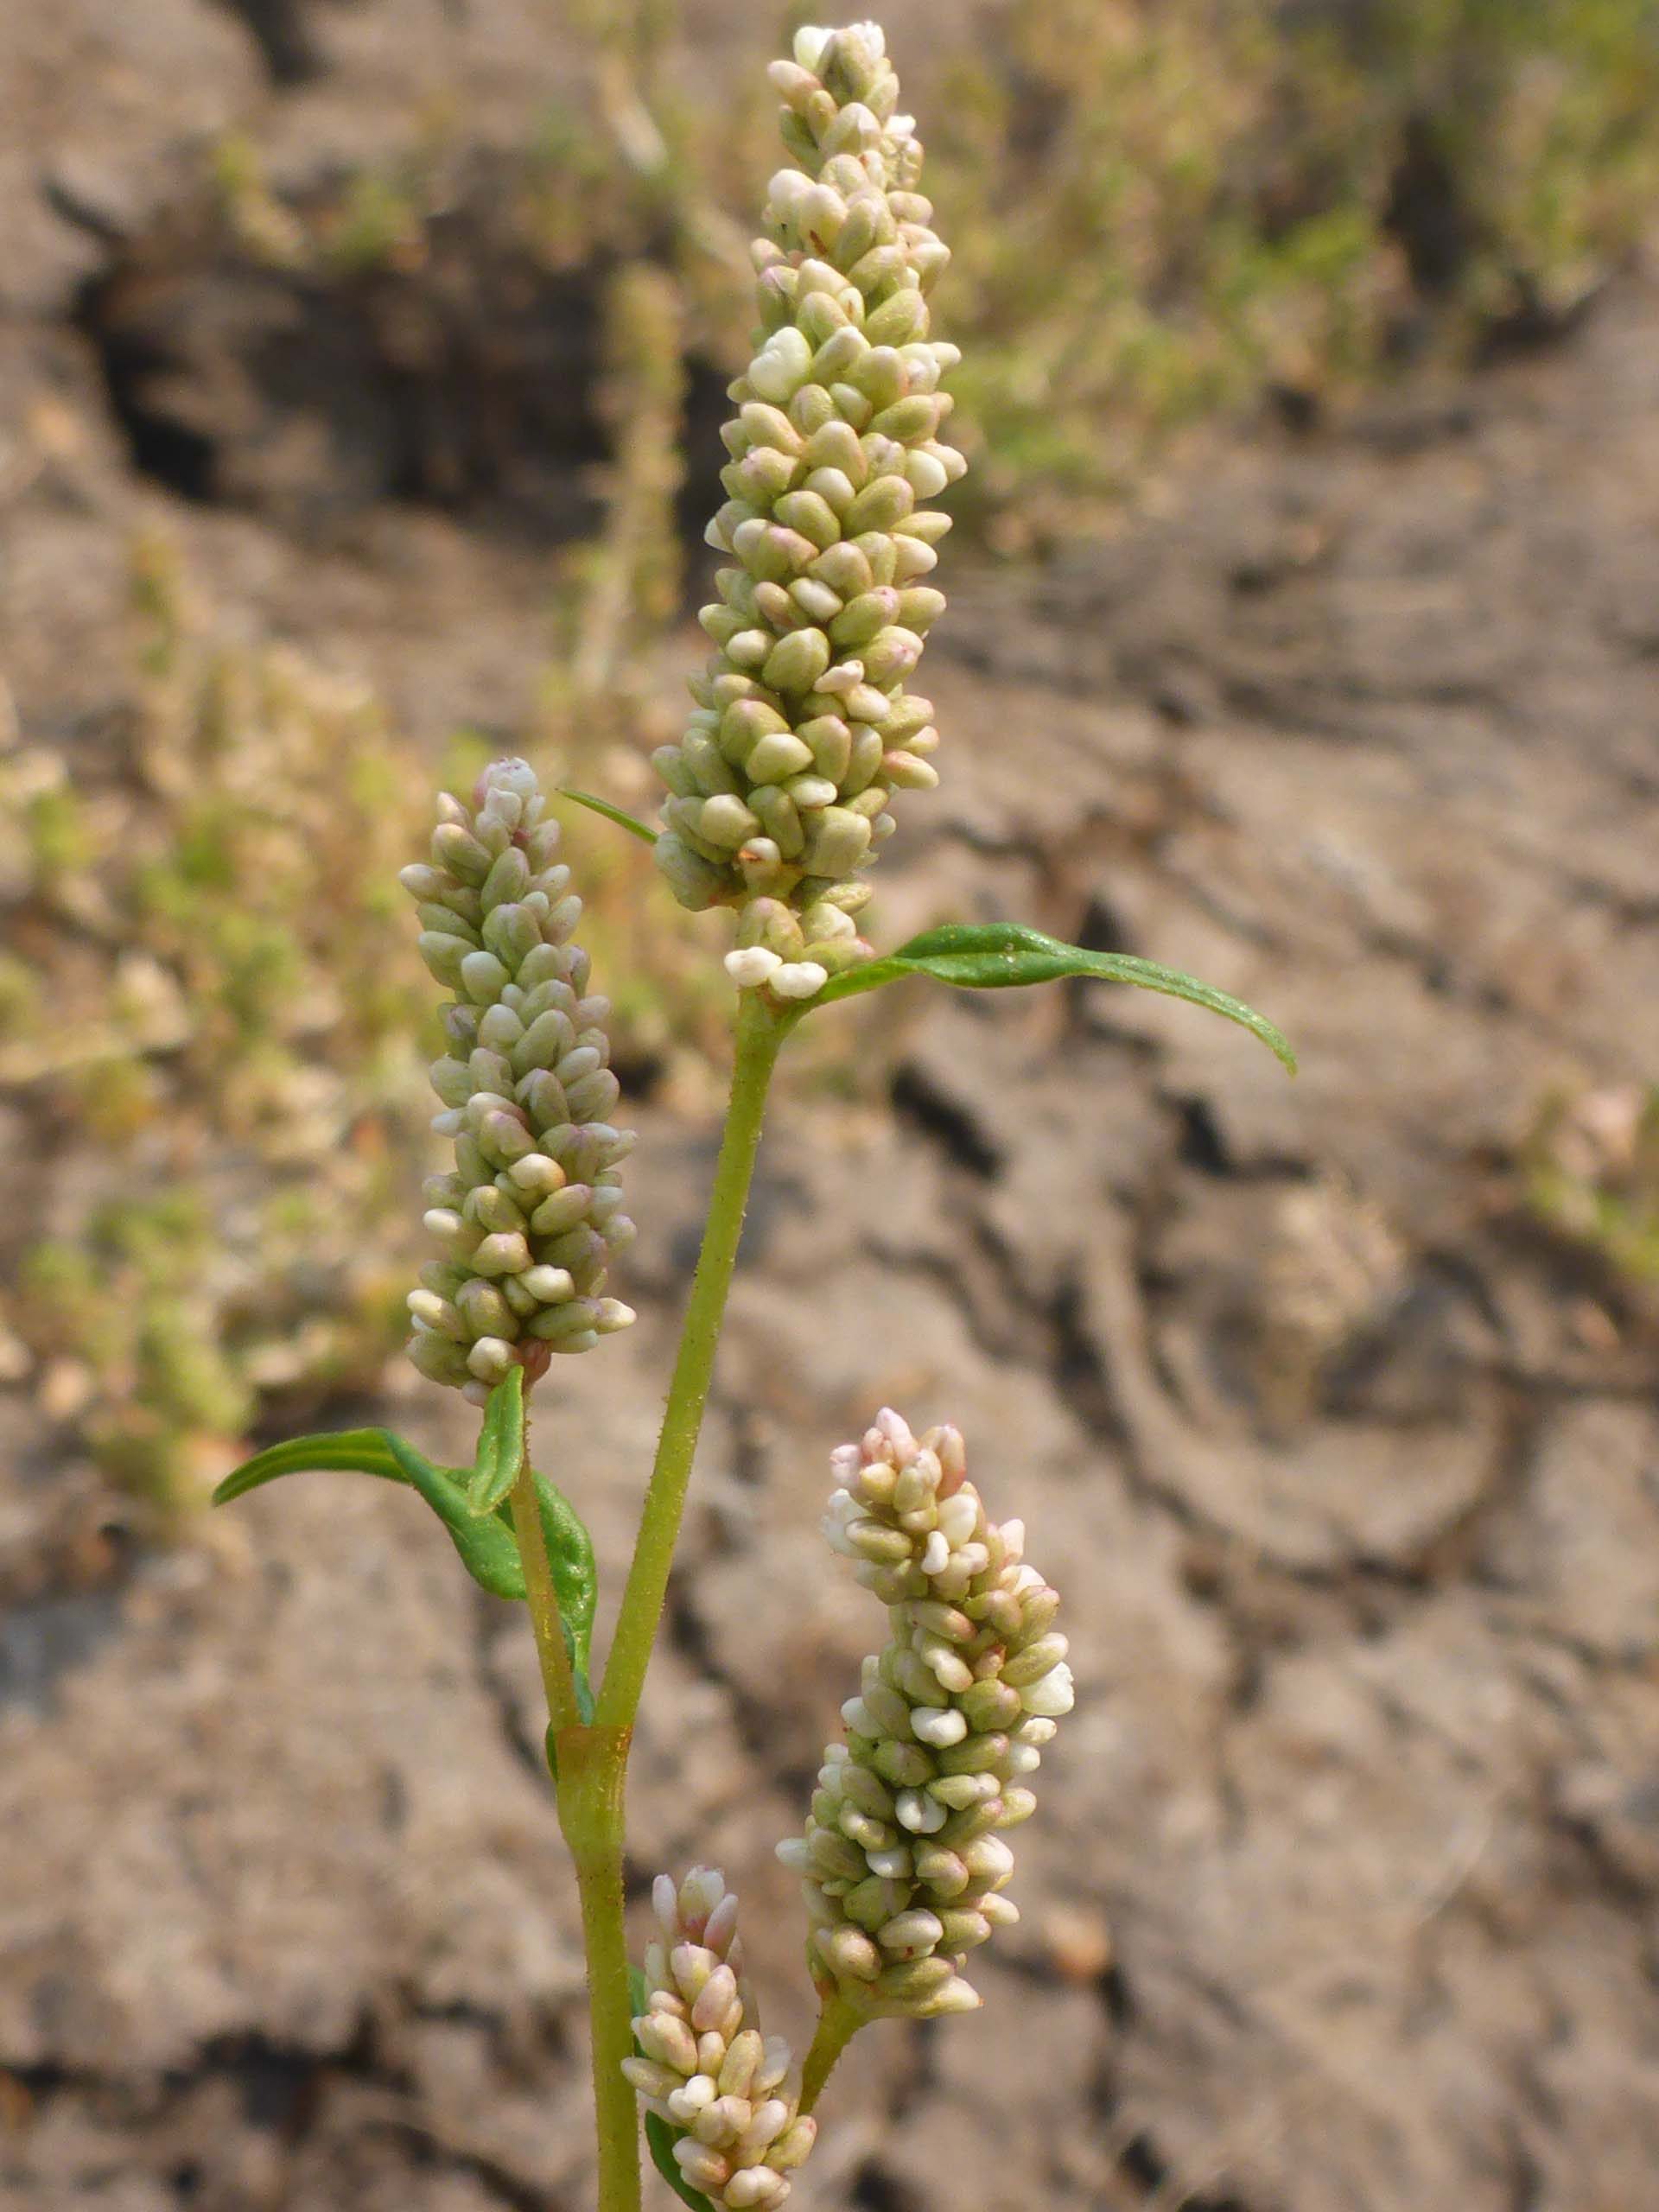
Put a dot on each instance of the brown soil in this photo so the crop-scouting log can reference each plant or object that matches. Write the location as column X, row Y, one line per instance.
column 1343, row 1896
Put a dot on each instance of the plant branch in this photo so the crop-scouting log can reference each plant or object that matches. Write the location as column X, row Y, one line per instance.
column 592, row 1760
column 759, row 1034
column 838, row 2023
column 593, row 1772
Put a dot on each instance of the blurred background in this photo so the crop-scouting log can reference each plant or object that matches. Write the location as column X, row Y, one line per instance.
column 361, row 363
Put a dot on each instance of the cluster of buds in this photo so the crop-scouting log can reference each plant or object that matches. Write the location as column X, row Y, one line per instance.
column 903, row 1862
column 779, row 791
column 530, row 1214
column 706, row 2068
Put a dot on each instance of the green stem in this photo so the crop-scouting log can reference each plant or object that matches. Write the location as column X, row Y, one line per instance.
column 838, row 2023
column 759, row 1034
column 558, row 1677
column 590, row 1767
column 593, row 1771
column 593, row 1760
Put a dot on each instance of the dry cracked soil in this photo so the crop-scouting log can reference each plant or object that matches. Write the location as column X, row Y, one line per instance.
column 1344, row 1895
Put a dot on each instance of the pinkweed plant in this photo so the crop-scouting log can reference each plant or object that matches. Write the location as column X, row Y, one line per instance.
column 780, row 798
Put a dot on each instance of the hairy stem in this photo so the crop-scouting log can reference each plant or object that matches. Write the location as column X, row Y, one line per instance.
column 593, row 1769
column 592, row 1761
column 838, row 2023
column 590, row 1769
column 759, row 1034
column 558, row 1677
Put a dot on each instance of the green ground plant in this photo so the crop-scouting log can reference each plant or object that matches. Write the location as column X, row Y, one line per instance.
column 1248, row 197
column 1590, row 1170
column 229, row 1100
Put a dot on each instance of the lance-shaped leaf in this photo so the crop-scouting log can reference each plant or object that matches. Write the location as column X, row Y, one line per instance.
column 486, row 1549
column 576, row 1575
column 354, row 1451
column 623, row 821
column 998, row 956
column 660, row 2140
column 500, row 1443
column 486, row 1545
column 660, row 2137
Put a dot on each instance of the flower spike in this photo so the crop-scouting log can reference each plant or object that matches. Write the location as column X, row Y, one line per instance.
column 903, row 1860
column 779, row 791
column 706, row 2071
column 530, row 1216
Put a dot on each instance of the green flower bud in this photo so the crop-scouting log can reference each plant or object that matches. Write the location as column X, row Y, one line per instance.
column 796, row 662
column 779, row 754
column 438, row 1359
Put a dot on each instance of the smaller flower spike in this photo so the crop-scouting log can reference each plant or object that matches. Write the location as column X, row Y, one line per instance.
column 529, row 1217
column 903, row 1862
column 707, row 2071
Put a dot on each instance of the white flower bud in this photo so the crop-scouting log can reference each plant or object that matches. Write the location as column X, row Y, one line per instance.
column 940, row 1726
column 799, row 979
column 1053, row 1696
column 489, row 1359
column 751, row 965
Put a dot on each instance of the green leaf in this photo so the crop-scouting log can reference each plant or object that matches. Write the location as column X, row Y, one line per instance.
column 660, row 2137
column 487, row 1551
column 997, row 956
column 611, row 813
column 351, row 1451
column 660, row 2140
column 500, row 1443
column 575, row 1573
column 487, row 1543
column 575, row 1576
